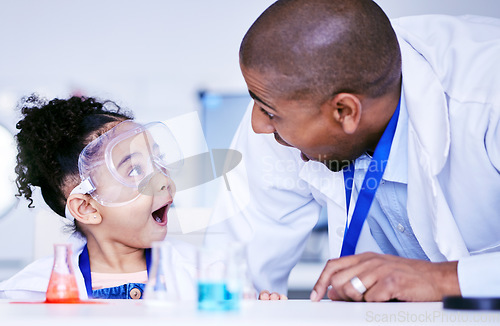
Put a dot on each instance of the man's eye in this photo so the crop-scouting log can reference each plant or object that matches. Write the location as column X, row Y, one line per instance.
column 269, row 115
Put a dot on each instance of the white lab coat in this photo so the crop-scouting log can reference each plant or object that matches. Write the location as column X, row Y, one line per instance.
column 31, row 283
column 451, row 81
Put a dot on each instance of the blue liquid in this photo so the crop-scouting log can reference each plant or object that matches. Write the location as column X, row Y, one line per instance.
column 214, row 296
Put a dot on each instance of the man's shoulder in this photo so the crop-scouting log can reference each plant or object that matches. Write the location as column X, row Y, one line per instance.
column 431, row 27
column 439, row 18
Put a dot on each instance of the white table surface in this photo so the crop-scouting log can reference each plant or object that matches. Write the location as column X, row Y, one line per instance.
column 291, row 312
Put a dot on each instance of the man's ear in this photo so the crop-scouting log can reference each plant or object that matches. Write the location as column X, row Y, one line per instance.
column 80, row 206
column 346, row 110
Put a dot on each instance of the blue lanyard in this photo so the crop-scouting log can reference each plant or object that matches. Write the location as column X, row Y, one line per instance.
column 84, row 264
column 369, row 186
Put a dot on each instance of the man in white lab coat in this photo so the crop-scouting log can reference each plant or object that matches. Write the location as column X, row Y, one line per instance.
column 327, row 77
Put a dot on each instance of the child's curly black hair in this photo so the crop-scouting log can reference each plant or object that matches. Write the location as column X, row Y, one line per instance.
column 51, row 136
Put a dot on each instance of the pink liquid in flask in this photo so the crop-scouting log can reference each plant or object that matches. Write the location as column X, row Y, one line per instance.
column 62, row 284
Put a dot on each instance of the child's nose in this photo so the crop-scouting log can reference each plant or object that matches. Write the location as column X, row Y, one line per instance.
column 158, row 184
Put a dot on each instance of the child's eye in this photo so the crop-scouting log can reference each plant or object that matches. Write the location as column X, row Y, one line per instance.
column 135, row 171
column 269, row 115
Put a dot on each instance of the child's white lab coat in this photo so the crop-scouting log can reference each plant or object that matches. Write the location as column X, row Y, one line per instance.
column 30, row 284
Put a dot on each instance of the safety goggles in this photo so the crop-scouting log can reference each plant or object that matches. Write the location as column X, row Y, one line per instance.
column 127, row 161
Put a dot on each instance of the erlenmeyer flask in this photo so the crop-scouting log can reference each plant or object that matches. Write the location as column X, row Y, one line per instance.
column 62, row 284
column 162, row 284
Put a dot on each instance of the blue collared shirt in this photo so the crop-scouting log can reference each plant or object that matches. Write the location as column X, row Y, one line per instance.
column 388, row 216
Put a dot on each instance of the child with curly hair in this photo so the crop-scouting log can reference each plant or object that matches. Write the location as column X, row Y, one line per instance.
column 110, row 176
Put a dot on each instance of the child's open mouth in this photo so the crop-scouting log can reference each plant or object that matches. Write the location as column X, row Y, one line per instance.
column 160, row 215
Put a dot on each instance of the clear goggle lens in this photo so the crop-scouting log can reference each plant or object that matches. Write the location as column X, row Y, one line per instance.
column 128, row 159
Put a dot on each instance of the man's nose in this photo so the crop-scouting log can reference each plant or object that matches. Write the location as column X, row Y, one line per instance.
column 261, row 124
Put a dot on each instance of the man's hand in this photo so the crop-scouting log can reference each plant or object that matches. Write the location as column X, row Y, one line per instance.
column 265, row 295
column 386, row 277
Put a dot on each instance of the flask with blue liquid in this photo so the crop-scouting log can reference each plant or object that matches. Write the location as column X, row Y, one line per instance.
column 221, row 278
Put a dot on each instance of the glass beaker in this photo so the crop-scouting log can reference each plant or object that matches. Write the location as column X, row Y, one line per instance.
column 62, row 286
column 222, row 277
column 212, row 283
column 162, row 285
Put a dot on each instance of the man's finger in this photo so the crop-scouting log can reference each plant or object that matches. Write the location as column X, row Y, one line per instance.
column 332, row 294
column 332, row 266
column 322, row 283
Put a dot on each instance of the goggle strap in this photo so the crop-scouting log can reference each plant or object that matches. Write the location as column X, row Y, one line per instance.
column 85, row 187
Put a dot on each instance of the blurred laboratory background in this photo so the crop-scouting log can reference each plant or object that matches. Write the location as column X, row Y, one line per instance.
column 159, row 58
